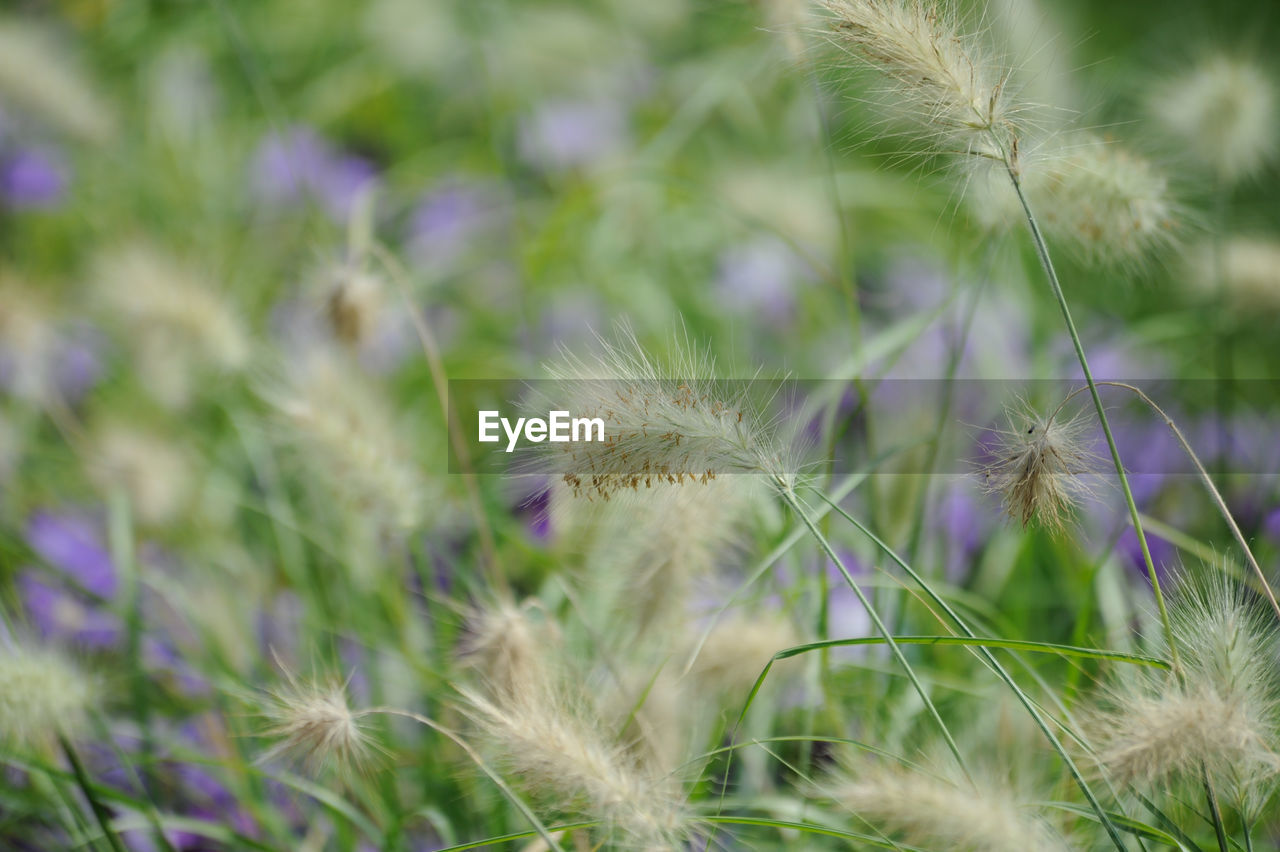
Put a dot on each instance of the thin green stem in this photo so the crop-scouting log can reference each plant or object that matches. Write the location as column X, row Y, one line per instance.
column 100, row 812
column 1215, row 812
column 1042, row 250
column 1000, row 671
column 880, row 626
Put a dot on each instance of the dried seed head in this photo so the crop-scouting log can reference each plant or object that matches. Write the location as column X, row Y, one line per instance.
column 675, row 426
column 1223, row 110
column 1224, row 719
column 1038, row 467
column 315, row 724
column 42, row 695
column 946, row 81
column 931, row 812
column 354, row 304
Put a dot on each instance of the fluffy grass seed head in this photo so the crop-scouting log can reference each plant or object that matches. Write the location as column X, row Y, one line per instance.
column 1224, row 719
column 42, row 696
column 559, row 749
column 316, row 725
column 176, row 320
column 149, row 468
column 942, row 79
column 675, row 426
column 28, row 338
column 1250, row 274
column 346, row 433
column 39, row 76
column 1039, row 466
column 510, row 648
column 1106, row 203
column 737, row 650
column 1224, row 111
column 932, row 812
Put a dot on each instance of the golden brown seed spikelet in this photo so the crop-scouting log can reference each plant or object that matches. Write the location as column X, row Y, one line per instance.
column 931, row 812
column 661, row 425
column 1038, row 467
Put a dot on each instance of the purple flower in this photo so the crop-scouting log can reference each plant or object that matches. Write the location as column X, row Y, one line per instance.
column 73, row 543
column 450, row 217
column 57, row 613
column 1271, row 526
column 1163, row 554
column 965, row 522
column 78, row 361
column 33, row 177
column 760, row 277
column 564, row 135
column 299, row 165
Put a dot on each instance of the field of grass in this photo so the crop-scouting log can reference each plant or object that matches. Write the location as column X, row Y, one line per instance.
column 935, row 344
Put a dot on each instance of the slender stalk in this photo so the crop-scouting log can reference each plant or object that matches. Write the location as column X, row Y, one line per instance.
column 1000, row 671
column 1214, row 810
column 1042, row 250
column 100, row 811
column 880, row 626
column 1205, row 478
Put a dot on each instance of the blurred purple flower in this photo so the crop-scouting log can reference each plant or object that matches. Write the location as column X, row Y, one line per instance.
column 57, row 613
column 449, row 217
column 760, row 278
column 847, row 618
column 563, row 135
column 32, row 177
column 1271, row 525
column 965, row 522
column 298, row 164
column 72, row 542
column 78, row 363
column 1163, row 554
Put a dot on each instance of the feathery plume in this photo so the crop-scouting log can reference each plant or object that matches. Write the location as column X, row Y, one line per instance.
column 557, row 748
column 152, row 471
column 38, row 76
column 644, row 550
column 508, row 648
column 28, row 338
column 315, row 724
column 350, row 439
column 42, row 695
column 1224, row 112
column 1106, row 203
column 176, row 319
column 737, row 650
column 932, row 812
column 944, row 80
column 1250, row 273
column 1038, row 467
column 673, row 425
column 1224, row 719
